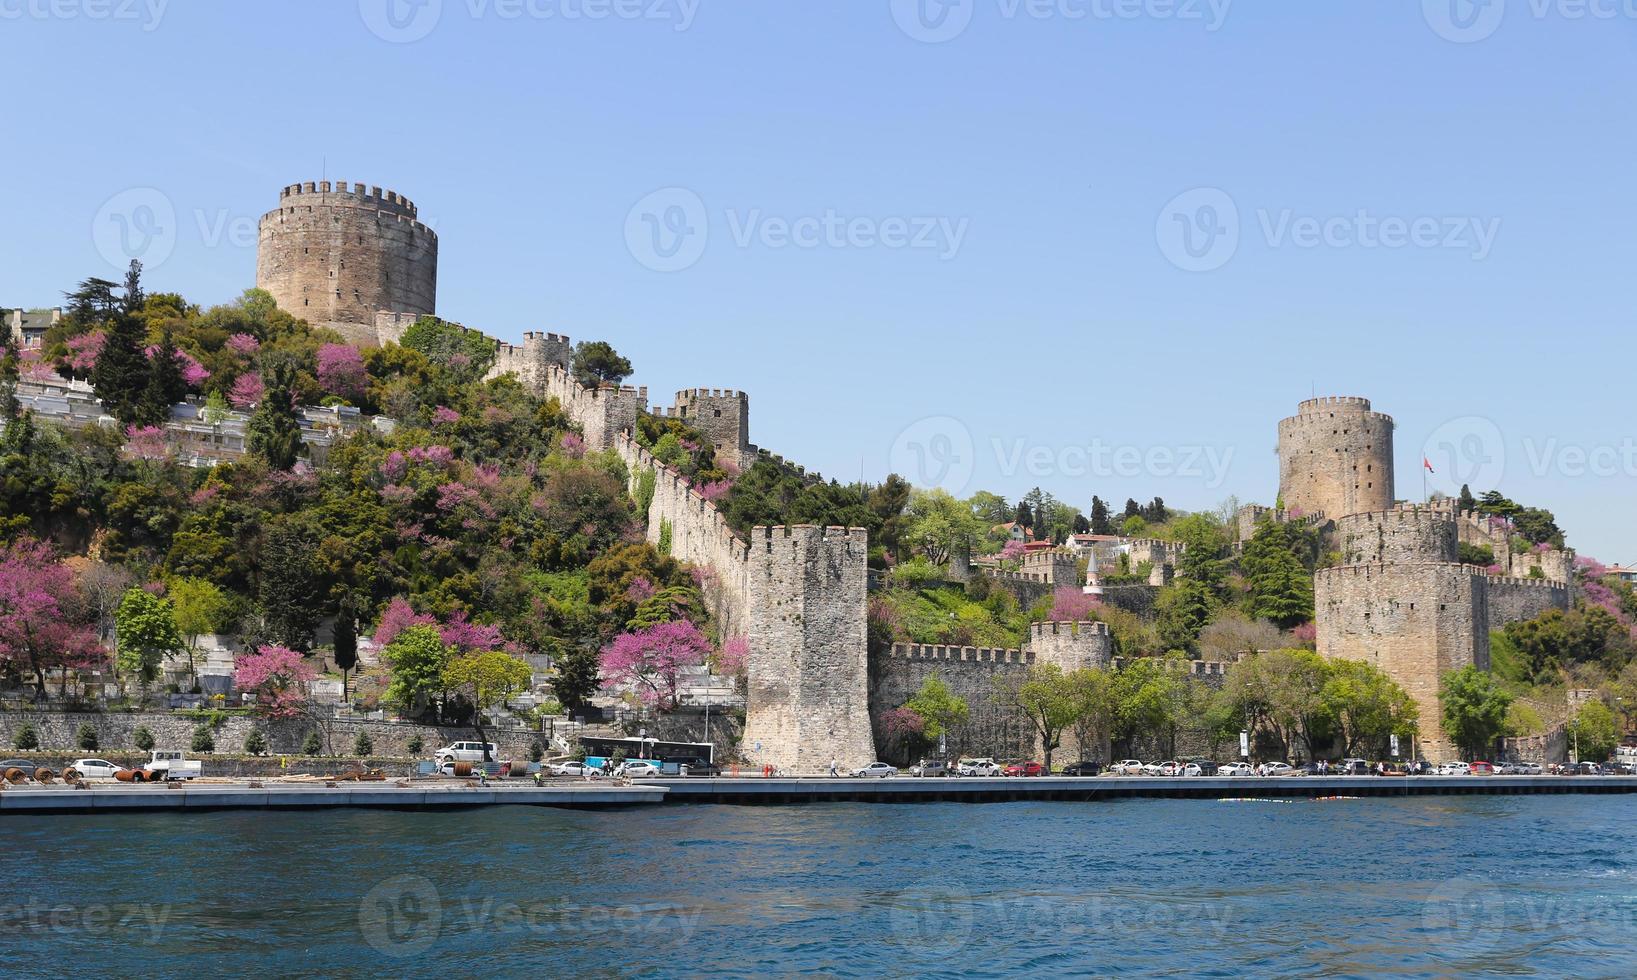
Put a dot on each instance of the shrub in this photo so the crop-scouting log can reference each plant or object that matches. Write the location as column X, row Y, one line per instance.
column 26, row 737
column 142, row 738
column 203, row 740
column 313, row 744
column 86, row 736
column 255, row 743
column 415, row 745
column 536, row 753
column 362, row 746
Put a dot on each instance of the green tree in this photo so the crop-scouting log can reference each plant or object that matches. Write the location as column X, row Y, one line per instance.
column 120, row 376
column 255, row 743
column 1280, row 582
column 290, row 590
column 940, row 526
column 1091, row 692
column 1184, row 610
column 577, row 676
column 145, row 626
column 26, row 738
column 1474, row 710
column 1146, row 698
column 1100, row 523
column 1593, row 732
column 346, row 642
column 142, row 738
column 201, row 608
column 1366, row 704
column 596, row 363
column 485, row 680
column 1467, row 503
column 165, row 385
column 1045, row 697
column 363, row 746
column 273, row 432
column 86, row 737
column 939, row 708
column 417, row 658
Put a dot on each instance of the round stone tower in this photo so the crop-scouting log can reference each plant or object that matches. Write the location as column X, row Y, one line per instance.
column 1406, row 533
column 335, row 255
column 1336, row 458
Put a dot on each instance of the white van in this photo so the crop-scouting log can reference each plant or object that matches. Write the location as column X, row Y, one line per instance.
column 466, row 752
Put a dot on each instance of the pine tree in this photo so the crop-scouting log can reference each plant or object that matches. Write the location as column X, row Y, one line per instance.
column 120, row 377
column 346, row 642
column 1025, row 516
column 1467, row 503
column 1099, row 517
column 1132, row 508
column 1281, row 586
column 273, row 432
column 134, row 296
column 290, row 591
column 165, row 385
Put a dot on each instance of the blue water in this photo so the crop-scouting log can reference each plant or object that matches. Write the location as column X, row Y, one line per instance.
column 1541, row 886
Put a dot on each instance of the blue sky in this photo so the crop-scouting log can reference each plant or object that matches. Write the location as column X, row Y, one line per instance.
column 1094, row 245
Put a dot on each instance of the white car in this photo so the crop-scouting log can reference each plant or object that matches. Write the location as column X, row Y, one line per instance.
column 1454, row 769
column 466, row 752
column 1235, row 769
column 1277, row 769
column 575, row 768
column 1527, row 769
column 876, row 770
column 1193, row 769
column 637, row 769
column 95, row 768
column 1171, row 768
column 1127, row 767
column 978, row 767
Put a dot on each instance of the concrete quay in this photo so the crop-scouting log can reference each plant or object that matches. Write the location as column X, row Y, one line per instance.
column 151, row 798
column 909, row 789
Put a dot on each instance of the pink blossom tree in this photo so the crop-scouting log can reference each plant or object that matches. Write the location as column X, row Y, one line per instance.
column 83, row 351
column 734, row 656
column 573, row 446
column 243, row 344
column 398, row 616
column 146, row 442
column 716, row 490
column 444, row 415
column 341, row 370
column 247, row 390
column 650, row 660
column 193, row 373
column 278, row 676
column 38, row 631
column 1071, row 605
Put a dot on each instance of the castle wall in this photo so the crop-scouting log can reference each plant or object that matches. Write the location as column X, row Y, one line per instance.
column 1072, row 646
column 1336, row 456
column 972, row 673
column 1513, row 600
column 335, row 255
column 1162, row 557
column 1407, row 533
column 1414, row 621
column 724, row 418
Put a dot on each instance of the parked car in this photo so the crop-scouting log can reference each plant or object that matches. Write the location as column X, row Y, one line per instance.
column 1528, row 768
column 1194, row 769
column 1277, row 769
column 1082, row 768
column 1480, row 769
column 1616, row 769
column 1353, row 767
column 95, row 768
column 1392, row 769
column 171, row 764
column 1422, row 767
column 1206, row 767
column 1454, row 769
column 1170, row 767
column 930, row 767
column 978, row 767
column 25, row 765
column 465, row 752
column 1308, row 769
column 876, row 770
column 1235, row 769
column 638, row 769
column 1025, row 769
column 1127, row 767
column 574, row 767
column 699, row 767
column 1586, row 769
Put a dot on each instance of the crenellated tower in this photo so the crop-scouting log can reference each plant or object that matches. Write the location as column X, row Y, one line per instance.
column 1336, row 457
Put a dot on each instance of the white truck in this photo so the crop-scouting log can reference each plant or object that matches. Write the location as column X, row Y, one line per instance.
column 168, row 765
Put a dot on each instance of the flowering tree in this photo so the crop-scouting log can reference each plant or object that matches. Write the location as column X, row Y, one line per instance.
column 243, row 344
column 247, row 390
column 37, row 632
column 573, row 446
column 83, row 351
column 1012, row 550
column 443, row 415
column 650, row 660
column 1070, row 605
column 278, row 676
column 193, row 373
column 146, row 442
column 734, row 655
column 398, row 616
column 716, row 490
column 486, row 679
column 341, row 370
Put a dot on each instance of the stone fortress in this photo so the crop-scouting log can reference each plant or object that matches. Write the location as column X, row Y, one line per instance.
column 1400, row 598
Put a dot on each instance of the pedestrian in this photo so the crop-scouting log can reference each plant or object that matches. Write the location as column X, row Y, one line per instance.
column 833, row 772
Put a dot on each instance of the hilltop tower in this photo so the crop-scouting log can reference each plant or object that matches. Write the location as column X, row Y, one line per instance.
column 336, row 254
column 723, row 416
column 1336, row 458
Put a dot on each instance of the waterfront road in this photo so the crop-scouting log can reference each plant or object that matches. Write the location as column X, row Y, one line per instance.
column 910, row 789
column 270, row 795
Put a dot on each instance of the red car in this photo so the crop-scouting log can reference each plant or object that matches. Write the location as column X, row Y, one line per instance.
column 1482, row 769
column 1025, row 769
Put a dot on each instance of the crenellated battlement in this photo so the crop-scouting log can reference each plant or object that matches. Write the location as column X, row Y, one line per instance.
column 341, row 191
column 1053, row 628
column 1196, row 668
column 698, row 393
column 1331, row 403
column 955, row 654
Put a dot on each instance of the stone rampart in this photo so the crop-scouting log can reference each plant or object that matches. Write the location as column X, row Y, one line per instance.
column 1402, row 534
column 1513, row 600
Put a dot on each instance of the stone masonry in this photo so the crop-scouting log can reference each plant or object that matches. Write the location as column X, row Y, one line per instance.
column 1336, row 456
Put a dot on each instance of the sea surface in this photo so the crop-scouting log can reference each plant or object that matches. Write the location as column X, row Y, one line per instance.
column 1522, row 886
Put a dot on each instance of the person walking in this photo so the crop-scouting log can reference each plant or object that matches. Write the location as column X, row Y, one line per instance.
column 833, row 772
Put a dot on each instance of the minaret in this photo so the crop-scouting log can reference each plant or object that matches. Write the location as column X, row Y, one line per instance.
column 1094, row 582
